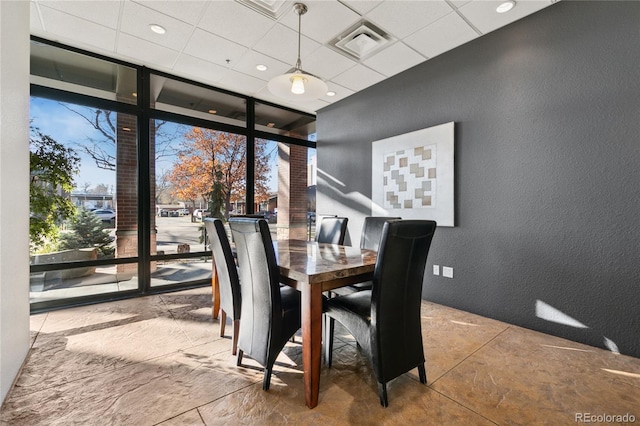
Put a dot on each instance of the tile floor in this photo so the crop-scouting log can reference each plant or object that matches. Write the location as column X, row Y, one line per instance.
column 158, row 360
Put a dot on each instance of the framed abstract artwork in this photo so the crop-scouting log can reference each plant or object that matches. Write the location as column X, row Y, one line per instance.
column 412, row 175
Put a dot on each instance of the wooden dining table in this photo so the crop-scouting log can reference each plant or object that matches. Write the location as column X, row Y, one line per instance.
column 313, row 268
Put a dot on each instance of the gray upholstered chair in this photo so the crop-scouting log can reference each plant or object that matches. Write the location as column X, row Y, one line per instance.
column 385, row 321
column 270, row 313
column 332, row 230
column 228, row 282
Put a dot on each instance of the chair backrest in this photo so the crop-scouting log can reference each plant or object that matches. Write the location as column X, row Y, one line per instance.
column 396, row 295
column 332, row 230
column 229, row 284
column 260, row 278
column 372, row 231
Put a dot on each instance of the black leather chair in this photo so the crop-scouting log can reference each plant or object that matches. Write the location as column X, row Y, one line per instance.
column 270, row 313
column 385, row 321
column 370, row 240
column 228, row 282
column 332, row 230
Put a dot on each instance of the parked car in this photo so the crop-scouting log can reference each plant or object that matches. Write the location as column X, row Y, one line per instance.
column 200, row 213
column 163, row 213
column 174, row 213
column 105, row 215
column 183, row 212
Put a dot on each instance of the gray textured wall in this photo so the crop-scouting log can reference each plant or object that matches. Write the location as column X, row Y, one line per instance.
column 547, row 114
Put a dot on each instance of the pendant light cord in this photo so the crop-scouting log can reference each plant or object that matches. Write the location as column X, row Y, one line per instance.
column 299, row 62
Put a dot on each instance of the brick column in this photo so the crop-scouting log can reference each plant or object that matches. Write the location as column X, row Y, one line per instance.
column 292, row 192
column 126, row 201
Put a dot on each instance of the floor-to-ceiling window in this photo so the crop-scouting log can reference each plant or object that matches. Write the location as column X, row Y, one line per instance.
column 127, row 162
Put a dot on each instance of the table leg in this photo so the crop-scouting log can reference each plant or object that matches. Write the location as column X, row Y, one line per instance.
column 215, row 291
column 311, row 341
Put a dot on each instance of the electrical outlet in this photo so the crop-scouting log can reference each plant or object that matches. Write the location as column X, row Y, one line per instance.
column 447, row 272
column 436, row 270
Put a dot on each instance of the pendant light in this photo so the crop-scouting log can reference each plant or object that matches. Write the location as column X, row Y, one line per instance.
column 296, row 84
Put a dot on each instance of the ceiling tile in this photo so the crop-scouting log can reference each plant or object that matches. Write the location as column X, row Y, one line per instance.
column 441, row 36
column 214, row 49
column 189, row 11
column 59, row 24
column 282, row 43
column 361, row 6
column 402, row 18
column 198, row 69
column 141, row 51
column 235, row 22
column 394, row 59
column 323, row 21
column 459, row 3
column 136, row 20
column 341, row 92
column 100, row 12
column 358, row 78
column 326, row 63
column 247, row 65
column 483, row 15
column 249, row 84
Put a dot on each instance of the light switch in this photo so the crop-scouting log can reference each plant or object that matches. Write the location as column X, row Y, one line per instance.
column 447, row 272
column 436, row 269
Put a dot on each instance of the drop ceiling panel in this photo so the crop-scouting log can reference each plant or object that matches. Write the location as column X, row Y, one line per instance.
column 248, row 62
column 203, row 34
column 68, row 26
column 136, row 20
column 323, row 20
column 203, row 71
column 358, row 78
column 141, row 51
column 402, row 18
column 235, row 22
column 361, row 6
column 325, row 63
column 281, row 43
column 482, row 14
column 441, row 36
column 186, row 11
column 394, row 59
column 214, row 49
column 105, row 13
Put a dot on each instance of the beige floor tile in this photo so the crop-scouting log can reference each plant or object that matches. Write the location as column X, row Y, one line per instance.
column 190, row 418
column 525, row 377
column 145, row 393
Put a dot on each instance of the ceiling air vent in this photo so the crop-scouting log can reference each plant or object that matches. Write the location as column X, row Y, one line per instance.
column 273, row 9
column 361, row 41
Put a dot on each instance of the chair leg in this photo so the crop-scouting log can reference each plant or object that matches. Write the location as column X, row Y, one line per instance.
column 382, row 391
column 223, row 322
column 239, row 359
column 329, row 324
column 266, row 381
column 236, row 330
column 422, row 373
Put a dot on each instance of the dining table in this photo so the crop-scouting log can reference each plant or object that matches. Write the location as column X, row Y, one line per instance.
column 313, row 268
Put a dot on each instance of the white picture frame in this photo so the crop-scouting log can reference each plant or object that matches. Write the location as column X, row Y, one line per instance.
column 412, row 175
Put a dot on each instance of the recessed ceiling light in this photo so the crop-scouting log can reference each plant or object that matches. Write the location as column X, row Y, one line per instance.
column 271, row 124
column 331, row 93
column 126, row 129
column 261, row 67
column 212, row 111
column 134, row 94
column 158, row 29
column 506, row 6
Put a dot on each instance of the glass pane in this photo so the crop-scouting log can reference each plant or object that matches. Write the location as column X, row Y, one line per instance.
column 284, row 122
column 195, row 101
column 199, row 173
column 83, row 198
column 74, row 72
column 285, row 188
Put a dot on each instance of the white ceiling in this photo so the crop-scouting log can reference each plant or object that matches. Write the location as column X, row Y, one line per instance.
column 220, row 42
